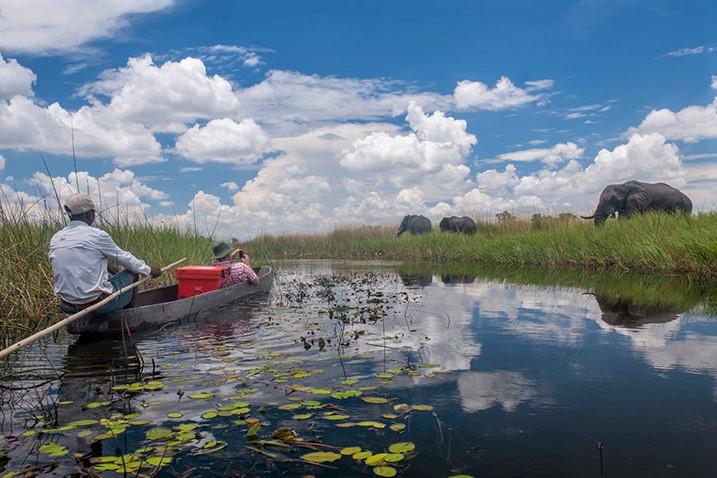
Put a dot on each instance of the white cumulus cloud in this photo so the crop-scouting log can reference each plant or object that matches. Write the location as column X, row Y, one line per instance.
column 167, row 97
column 505, row 95
column 55, row 26
column 15, row 79
column 224, row 141
column 550, row 156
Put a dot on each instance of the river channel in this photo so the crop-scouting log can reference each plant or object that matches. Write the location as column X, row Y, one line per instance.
column 377, row 369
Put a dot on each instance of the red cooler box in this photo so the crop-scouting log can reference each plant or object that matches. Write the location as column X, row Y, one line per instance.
column 194, row 280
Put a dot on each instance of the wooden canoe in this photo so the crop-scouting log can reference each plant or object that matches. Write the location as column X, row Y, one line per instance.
column 160, row 306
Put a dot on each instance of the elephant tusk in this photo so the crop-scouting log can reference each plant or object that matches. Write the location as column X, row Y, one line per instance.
column 588, row 217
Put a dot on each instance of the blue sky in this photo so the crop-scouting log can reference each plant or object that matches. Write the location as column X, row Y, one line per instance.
column 249, row 117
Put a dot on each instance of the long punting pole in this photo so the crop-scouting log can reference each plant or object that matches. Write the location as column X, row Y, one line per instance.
column 33, row 338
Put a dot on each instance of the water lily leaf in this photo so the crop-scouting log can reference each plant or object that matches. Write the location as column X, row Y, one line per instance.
column 320, row 391
column 385, row 376
column 346, row 394
column 83, row 423
column 157, row 434
column 397, row 427
column 422, row 408
column 350, row 450
column 336, row 417
column 387, row 471
column 159, row 460
column 349, row 381
column 394, row 457
column 186, row 427
column 389, row 416
column 254, row 427
column 28, row 433
column 106, row 467
column 373, row 424
column 376, row 460
column 402, row 447
column 94, row 405
column 209, row 415
column 54, row 449
column 374, row 400
column 216, row 446
column 233, row 406
column 346, row 425
column 154, row 385
column 202, row 395
column 321, row 456
column 401, row 408
column 362, row 455
column 429, row 365
column 105, row 459
column 290, row 406
column 175, row 415
column 84, row 433
column 368, row 388
column 461, row 476
column 303, row 416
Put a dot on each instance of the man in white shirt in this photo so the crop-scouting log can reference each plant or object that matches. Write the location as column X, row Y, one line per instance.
column 79, row 255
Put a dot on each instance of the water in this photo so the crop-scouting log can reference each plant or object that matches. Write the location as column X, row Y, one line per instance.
column 486, row 374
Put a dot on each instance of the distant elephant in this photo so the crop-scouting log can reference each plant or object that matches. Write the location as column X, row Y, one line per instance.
column 463, row 224
column 414, row 224
column 623, row 313
column 635, row 197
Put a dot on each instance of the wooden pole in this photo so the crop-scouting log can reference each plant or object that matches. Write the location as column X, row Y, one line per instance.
column 34, row 338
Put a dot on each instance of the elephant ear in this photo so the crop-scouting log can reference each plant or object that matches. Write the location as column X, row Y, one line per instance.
column 637, row 200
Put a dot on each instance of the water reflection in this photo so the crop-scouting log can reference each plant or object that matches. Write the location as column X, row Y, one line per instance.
column 525, row 371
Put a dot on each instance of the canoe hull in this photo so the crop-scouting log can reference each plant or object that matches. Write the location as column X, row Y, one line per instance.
column 157, row 307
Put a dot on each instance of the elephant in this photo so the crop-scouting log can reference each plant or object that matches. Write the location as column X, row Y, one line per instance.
column 622, row 312
column 635, row 197
column 414, row 224
column 463, row 224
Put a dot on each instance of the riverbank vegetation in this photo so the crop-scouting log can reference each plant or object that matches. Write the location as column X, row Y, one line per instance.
column 654, row 243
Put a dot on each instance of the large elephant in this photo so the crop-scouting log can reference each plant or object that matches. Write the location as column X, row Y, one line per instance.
column 635, row 197
column 463, row 224
column 414, row 224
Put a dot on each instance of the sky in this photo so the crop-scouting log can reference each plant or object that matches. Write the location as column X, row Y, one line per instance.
column 241, row 118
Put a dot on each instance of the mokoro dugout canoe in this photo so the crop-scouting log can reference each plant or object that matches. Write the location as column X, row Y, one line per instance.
column 160, row 306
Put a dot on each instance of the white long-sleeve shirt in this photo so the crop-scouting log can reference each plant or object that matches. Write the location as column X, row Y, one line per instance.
column 79, row 254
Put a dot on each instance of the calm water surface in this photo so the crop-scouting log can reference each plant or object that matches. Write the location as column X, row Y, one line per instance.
column 483, row 376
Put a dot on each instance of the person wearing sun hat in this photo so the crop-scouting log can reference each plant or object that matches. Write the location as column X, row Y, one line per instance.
column 239, row 271
column 79, row 256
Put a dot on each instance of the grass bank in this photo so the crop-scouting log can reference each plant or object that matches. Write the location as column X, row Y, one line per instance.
column 654, row 243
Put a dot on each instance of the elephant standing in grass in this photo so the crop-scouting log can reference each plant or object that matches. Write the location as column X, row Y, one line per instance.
column 634, row 197
column 414, row 224
column 464, row 224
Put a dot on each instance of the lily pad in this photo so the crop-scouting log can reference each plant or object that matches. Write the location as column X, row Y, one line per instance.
column 321, row 457
column 387, row 471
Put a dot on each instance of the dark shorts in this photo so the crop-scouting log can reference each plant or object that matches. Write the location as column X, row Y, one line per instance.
column 118, row 281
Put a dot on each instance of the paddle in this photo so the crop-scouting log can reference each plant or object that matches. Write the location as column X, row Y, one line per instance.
column 33, row 338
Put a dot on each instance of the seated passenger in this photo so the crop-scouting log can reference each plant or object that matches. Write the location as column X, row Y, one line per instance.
column 239, row 271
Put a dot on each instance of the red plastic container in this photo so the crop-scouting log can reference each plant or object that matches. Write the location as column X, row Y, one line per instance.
column 194, row 280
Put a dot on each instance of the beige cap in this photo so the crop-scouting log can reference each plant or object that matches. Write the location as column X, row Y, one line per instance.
column 78, row 204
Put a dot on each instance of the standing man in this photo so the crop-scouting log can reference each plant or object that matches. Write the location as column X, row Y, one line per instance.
column 79, row 255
